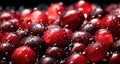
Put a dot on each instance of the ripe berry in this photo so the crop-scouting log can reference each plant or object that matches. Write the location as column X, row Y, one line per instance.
column 68, row 33
column 114, row 59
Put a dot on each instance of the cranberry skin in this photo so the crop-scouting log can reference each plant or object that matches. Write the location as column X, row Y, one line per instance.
column 35, row 17
column 83, row 6
column 82, row 37
column 90, row 28
column 111, row 23
column 55, row 10
column 6, row 15
column 95, row 52
column 76, row 59
column 47, row 60
column 97, row 13
column 22, row 32
column 6, row 50
column 116, row 12
column 1, row 35
column 72, row 19
column 36, row 29
column 25, row 12
column 68, row 33
column 12, row 38
column 104, row 36
column 35, row 42
column 95, row 22
column 8, row 27
column 23, row 55
column 76, row 48
column 52, row 26
column 114, row 58
column 55, row 52
column 55, row 36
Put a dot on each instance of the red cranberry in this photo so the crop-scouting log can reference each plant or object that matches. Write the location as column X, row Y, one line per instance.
column 36, row 29
column 25, row 12
column 83, row 6
column 55, row 52
column 115, row 58
column 104, row 36
column 6, row 50
column 35, row 42
column 82, row 37
column 54, row 11
column 95, row 52
column 68, row 33
column 35, row 17
column 47, row 60
column 52, row 26
column 55, row 36
column 8, row 27
column 76, row 59
column 90, row 28
column 12, row 38
column 76, row 48
column 6, row 15
column 23, row 55
column 22, row 32
column 95, row 22
column 111, row 23
column 72, row 19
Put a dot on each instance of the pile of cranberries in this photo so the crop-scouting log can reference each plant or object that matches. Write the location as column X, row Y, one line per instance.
column 82, row 33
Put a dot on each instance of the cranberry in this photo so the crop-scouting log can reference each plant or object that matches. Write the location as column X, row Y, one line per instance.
column 52, row 26
column 35, row 42
column 68, row 33
column 114, row 58
column 116, row 46
column 116, row 12
column 82, row 37
column 54, row 11
column 55, row 36
column 12, row 38
column 36, row 29
column 76, row 48
column 111, row 7
column 72, row 19
column 25, row 12
column 15, row 21
column 8, row 27
column 104, row 36
column 95, row 52
column 22, row 32
column 23, row 55
column 76, row 59
column 110, row 22
column 6, row 50
column 6, row 15
column 1, row 35
column 55, row 52
column 47, row 60
column 95, row 22
column 3, row 62
column 89, row 28
column 97, row 13
column 35, row 17
column 83, row 6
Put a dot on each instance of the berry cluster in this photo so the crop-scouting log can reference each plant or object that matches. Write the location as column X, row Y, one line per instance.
column 81, row 33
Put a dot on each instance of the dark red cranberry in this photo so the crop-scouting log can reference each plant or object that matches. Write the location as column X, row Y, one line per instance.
column 97, row 13
column 95, row 52
column 95, row 22
column 55, row 52
column 36, row 29
column 72, row 19
column 23, row 55
column 68, row 33
column 115, row 58
column 110, row 22
column 6, row 50
column 55, row 36
column 8, row 27
column 54, row 11
column 90, row 28
column 22, row 32
column 83, row 6
column 1, row 35
column 82, row 37
column 47, row 60
column 35, row 42
column 104, row 36
column 35, row 17
column 76, row 48
column 76, row 59
column 12, row 38
column 6, row 15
